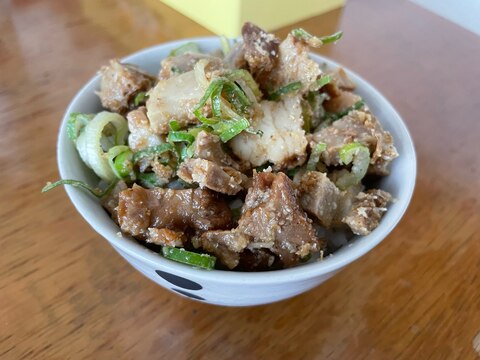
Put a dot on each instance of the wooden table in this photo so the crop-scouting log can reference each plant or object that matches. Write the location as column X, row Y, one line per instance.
column 66, row 294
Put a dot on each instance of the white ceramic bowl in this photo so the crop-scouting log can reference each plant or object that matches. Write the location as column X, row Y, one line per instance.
column 228, row 287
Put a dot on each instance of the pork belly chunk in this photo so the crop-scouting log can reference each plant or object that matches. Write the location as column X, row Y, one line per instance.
column 141, row 135
column 190, row 209
column 272, row 216
column 176, row 65
column 174, row 99
column 283, row 142
column 119, row 85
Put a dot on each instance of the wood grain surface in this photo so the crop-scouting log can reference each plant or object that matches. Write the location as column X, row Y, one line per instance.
column 66, row 294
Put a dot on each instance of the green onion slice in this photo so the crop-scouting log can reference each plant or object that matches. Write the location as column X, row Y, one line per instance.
column 183, row 256
column 174, row 125
column 277, row 94
column 150, row 180
column 228, row 129
column 359, row 156
column 187, row 47
column 315, row 156
column 180, row 136
column 140, row 98
column 315, row 41
column 76, row 123
column 120, row 160
column 335, row 116
column 95, row 140
column 235, row 96
column 95, row 191
column 319, row 83
column 152, row 151
column 242, row 74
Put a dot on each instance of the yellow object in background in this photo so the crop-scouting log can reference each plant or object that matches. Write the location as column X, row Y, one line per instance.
column 225, row 17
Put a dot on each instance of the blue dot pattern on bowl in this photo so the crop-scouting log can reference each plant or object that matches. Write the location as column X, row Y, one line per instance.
column 190, row 295
column 179, row 281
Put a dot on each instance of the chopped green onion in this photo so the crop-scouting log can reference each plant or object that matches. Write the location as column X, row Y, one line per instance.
column 235, row 96
column 76, row 123
column 292, row 172
column 94, row 142
column 277, row 94
column 150, row 180
column 216, row 100
column 187, row 47
column 197, row 110
column 152, row 151
column 319, row 83
column 181, row 255
column 97, row 192
column 197, row 129
column 120, row 160
column 335, row 116
column 174, row 125
column 180, row 136
column 225, row 44
column 359, row 156
column 315, row 41
column 315, row 156
column 228, row 129
column 242, row 74
column 140, row 98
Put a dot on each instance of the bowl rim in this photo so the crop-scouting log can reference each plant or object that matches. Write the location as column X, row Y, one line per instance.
column 298, row 273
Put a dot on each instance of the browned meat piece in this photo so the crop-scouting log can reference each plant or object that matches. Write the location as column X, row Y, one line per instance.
column 166, row 237
column 273, row 217
column 175, row 65
column 361, row 127
column 367, row 210
column 223, row 179
column 319, row 197
column 340, row 82
column 341, row 102
column 226, row 245
column 141, row 135
column 261, row 50
column 294, row 64
column 341, row 79
column 209, row 147
column 110, row 202
column 164, row 172
column 180, row 210
column 256, row 260
column 322, row 199
column 120, row 83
